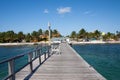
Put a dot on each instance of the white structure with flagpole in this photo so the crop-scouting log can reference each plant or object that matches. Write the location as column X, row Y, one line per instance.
column 49, row 25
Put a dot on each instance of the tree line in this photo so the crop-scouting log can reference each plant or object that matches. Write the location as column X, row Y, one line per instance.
column 97, row 35
column 35, row 36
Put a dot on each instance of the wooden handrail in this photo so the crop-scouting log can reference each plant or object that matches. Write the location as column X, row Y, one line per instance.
column 11, row 64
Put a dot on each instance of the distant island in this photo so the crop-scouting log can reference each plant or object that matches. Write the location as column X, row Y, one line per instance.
column 84, row 36
column 20, row 37
column 43, row 35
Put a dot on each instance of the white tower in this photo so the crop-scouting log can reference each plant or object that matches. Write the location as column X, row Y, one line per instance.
column 49, row 25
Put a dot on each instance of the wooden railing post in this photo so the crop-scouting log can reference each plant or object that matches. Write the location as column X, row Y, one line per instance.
column 40, row 56
column 30, row 60
column 33, row 54
column 11, row 69
column 31, row 57
column 36, row 53
column 45, row 56
column 49, row 51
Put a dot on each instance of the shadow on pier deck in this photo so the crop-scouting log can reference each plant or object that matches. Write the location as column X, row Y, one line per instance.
column 65, row 66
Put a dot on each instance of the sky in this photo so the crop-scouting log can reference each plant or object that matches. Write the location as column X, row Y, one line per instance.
column 64, row 15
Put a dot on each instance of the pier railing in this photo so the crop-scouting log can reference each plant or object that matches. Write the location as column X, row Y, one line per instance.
column 31, row 56
column 55, row 48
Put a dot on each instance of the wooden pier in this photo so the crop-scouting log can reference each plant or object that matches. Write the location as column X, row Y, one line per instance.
column 67, row 65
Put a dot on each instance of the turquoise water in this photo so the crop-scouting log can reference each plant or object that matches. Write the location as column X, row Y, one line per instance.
column 7, row 52
column 105, row 58
column 10, row 51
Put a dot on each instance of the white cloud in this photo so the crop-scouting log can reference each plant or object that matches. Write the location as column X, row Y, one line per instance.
column 87, row 12
column 90, row 13
column 64, row 10
column 46, row 11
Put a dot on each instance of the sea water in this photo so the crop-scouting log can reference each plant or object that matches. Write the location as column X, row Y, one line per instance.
column 105, row 58
column 7, row 52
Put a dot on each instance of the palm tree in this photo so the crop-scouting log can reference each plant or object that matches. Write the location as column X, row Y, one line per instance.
column 40, row 32
column 73, row 35
column 97, row 34
column 109, row 36
column 82, row 33
column 28, row 37
column 47, row 32
column 55, row 33
column 118, row 34
column 2, row 37
column 9, row 36
column 21, row 36
column 35, row 36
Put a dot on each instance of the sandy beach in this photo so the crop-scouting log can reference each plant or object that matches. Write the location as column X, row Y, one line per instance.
column 27, row 43
column 96, row 42
column 73, row 42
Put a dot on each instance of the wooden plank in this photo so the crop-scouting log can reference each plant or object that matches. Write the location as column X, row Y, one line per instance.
column 65, row 66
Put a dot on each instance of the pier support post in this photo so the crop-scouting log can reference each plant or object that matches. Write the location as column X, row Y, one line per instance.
column 30, row 61
column 11, row 69
column 45, row 55
column 49, row 51
column 40, row 56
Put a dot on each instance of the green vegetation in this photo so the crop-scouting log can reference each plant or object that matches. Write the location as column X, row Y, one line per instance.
column 40, row 35
column 35, row 36
column 97, row 35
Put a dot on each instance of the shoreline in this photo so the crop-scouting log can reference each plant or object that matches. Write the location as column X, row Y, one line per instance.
column 72, row 42
column 96, row 42
column 18, row 44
